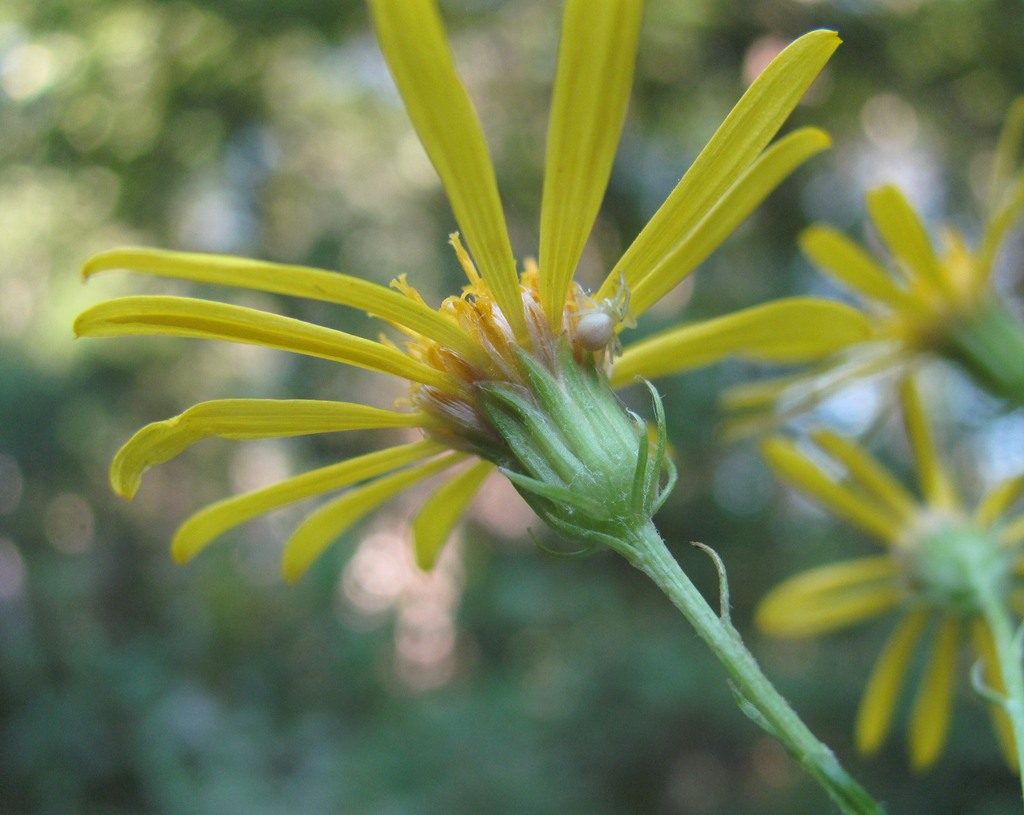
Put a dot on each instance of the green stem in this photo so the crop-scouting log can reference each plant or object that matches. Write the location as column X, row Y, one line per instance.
column 647, row 551
column 1011, row 667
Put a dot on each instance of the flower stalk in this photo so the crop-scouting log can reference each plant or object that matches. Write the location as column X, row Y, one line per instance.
column 1008, row 655
column 646, row 550
column 1009, row 668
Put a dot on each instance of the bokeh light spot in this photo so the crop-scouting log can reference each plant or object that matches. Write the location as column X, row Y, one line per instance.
column 12, row 570
column 26, row 71
column 69, row 523
column 889, row 122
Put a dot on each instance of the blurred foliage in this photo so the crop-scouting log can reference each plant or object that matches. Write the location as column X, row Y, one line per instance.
column 128, row 685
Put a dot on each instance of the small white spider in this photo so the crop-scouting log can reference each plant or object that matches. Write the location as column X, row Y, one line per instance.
column 596, row 325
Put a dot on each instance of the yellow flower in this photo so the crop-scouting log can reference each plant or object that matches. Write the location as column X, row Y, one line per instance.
column 939, row 557
column 489, row 367
column 926, row 302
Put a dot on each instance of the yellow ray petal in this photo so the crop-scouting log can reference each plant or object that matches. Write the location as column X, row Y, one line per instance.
column 792, row 330
column 752, row 187
column 595, row 70
column 294, row 281
column 883, row 689
column 218, row 518
column 413, row 41
column 985, row 648
column 929, row 717
column 936, row 485
column 189, row 317
column 756, row 406
column 1012, row 532
column 812, row 386
column 745, row 132
column 329, row 522
column 1006, row 189
column 1006, row 164
column 865, row 512
column 995, row 504
column 830, row 597
column 242, row 419
column 434, row 522
column 848, row 263
column 905, row 236
column 995, row 231
column 868, row 472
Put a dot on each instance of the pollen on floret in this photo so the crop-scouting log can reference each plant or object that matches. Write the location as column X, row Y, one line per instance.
column 588, row 331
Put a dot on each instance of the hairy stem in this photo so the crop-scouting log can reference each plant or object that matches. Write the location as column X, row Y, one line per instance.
column 758, row 697
column 1011, row 669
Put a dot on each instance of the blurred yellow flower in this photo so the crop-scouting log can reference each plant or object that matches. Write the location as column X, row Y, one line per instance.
column 941, row 564
column 925, row 302
column 499, row 357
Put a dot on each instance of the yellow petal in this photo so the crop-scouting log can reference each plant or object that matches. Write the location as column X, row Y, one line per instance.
column 1006, row 164
column 329, row 522
column 985, row 648
column 434, row 522
column 810, row 387
column 883, row 689
column 752, row 187
column 866, row 470
column 995, row 231
column 792, row 330
column 413, row 41
column 761, row 405
column 203, row 319
column 845, row 261
column 242, row 419
column 745, row 132
column 905, row 236
column 998, row 501
column 1012, row 532
column 830, row 597
column 936, row 485
column 798, row 391
column 1006, row 190
column 929, row 717
column 218, row 518
column 294, row 281
column 588, row 106
column 867, row 513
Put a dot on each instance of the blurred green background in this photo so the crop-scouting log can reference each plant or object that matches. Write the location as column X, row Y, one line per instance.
column 509, row 682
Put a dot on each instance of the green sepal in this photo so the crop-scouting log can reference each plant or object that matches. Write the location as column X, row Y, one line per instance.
column 670, row 484
column 989, row 343
column 530, row 433
column 582, row 461
column 662, row 462
column 606, row 415
column 555, row 494
column 639, row 497
column 557, row 402
column 586, row 550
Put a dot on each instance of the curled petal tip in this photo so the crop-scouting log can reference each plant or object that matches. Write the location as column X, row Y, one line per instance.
column 180, row 552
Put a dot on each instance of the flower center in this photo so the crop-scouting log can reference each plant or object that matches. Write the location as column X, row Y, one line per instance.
column 587, row 327
column 951, row 563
